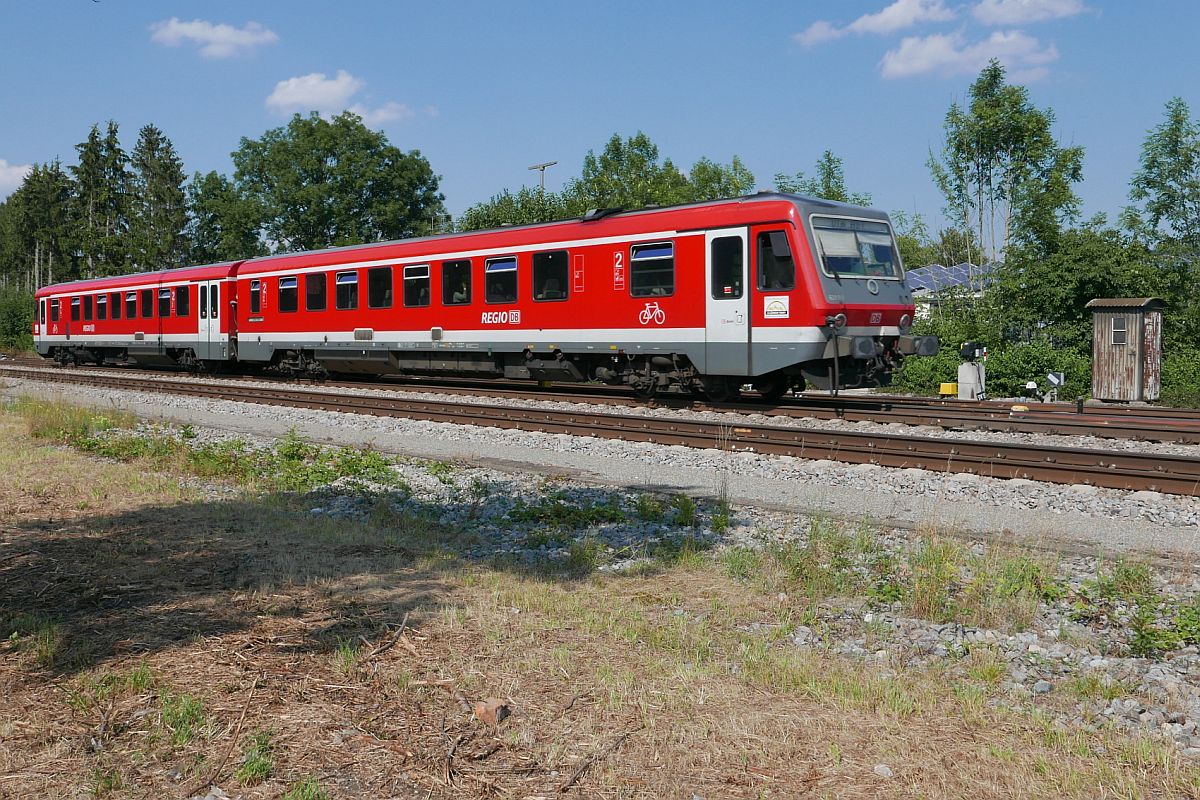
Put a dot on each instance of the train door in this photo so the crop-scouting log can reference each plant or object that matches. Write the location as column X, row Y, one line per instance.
column 727, row 303
column 209, row 305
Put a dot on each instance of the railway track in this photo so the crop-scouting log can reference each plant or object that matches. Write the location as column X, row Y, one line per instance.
column 1149, row 424
column 1133, row 471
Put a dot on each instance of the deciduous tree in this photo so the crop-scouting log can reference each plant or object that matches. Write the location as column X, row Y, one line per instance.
column 829, row 182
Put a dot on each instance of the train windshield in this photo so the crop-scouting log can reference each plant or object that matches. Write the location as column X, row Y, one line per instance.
column 856, row 247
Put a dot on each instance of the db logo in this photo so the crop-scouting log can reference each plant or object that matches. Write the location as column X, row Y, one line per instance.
column 876, row 318
column 652, row 313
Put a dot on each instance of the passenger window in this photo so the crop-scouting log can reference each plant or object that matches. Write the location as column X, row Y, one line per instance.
column 87, row 307
column 147, row 302
column 130, row 305
column 74, row 309
column 54, row 311
column 500, row 275
column 550, row 275
column 164, row 302
column 776, row 269
column 213, row 299
column 416, row 285
column 101, row 306
column 379, row 287
column 347, row 291
column 456, row 283
column 116, row 305
column 256, row 297
column 652, row 270
column 203, row 302
column 314, row 291
column 289, row 294
column 183, row 301
column 727, row 268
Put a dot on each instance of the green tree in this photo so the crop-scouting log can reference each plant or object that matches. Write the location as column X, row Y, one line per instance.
column 627, row 174
column 829, row 182
column 44, row 202
column 1167, row 183
column 527, row 205
column 335, row 182
column 1003, row 174
column 158, row 207
column 101, row 202
column 712, row 181
column 223, row 225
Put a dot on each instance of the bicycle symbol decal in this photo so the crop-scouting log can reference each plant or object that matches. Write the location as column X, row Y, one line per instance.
column 652, row 312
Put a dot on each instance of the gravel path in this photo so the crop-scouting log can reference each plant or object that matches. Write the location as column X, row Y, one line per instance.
column 1072, row 518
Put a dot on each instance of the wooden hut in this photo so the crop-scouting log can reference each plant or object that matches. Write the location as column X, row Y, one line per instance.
column 1126, row 348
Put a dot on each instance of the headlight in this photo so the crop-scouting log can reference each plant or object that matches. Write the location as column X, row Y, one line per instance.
column 905, row 323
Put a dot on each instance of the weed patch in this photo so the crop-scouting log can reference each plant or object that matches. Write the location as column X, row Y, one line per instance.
column 257, row 762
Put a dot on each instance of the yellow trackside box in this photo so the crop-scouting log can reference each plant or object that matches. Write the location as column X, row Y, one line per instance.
column 948, row 389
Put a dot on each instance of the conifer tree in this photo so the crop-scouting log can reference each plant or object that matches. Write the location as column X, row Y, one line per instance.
column 157, row 205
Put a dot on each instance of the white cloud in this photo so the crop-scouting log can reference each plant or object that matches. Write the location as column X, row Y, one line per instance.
column 314, row 92
column 390, row 111
column 899, row 15
column 329, row 96
column 949, row 54
column 11, row 176
column 1017, row 12
column 216, row 41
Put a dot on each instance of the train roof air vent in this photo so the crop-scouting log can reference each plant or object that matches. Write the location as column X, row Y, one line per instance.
column 594, row 214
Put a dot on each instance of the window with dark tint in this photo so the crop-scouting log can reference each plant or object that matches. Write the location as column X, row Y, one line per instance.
column 101, row 306
column 203, row 302
column 776, row 269
column 550, row 275
column 214, row 299
column 147, row 302
column 652, row 270
column 315, row 284
column 164, row 302
column 74, row 309
column 42, row 313
column 87, row 306
column 727, row 268
column 183, row 301
column 500, row 276
column 456, row 283
column 54, row 311
column 1119, row 335
column 116, row 305
column 416, row 285
column 289, row 294
column 347, row 291
column 255, row 297
column 130, row 305
column 379, row 287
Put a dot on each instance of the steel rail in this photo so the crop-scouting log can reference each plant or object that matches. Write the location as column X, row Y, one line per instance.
column 1120, row 470
column 1041, row 420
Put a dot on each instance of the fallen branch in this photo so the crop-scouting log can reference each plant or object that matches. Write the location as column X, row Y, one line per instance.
column 216, row 773
column 588, row 762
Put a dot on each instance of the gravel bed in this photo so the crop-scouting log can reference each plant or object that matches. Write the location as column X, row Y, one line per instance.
column 1081, row 517
column 734, row 418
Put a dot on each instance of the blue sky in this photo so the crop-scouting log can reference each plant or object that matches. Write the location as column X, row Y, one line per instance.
column 485, row 89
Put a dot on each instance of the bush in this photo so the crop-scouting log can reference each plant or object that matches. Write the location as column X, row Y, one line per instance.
column 16, row 319
column 1181, row 377
column 1011, row 368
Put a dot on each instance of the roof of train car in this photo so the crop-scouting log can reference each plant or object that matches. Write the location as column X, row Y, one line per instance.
column 612, row 222
column 201, row 272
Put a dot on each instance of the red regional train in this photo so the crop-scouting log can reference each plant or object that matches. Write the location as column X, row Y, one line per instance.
column 771, row 290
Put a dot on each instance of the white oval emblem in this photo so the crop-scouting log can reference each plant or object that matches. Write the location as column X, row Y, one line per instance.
column 873, row 286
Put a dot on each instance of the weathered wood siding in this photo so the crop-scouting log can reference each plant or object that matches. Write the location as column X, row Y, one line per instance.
column 1151, row 355
column 1116, row 372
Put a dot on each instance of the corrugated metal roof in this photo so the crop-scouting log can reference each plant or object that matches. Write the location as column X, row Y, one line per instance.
column 1126, row 302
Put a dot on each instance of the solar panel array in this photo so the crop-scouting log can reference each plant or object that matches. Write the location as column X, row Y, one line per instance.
column 935, row 277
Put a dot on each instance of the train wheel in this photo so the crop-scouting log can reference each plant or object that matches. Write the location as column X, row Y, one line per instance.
column 720, row 390
column 645, row 391
column 772, row 387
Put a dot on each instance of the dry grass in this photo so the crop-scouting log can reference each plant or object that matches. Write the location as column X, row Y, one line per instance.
column 196, row 633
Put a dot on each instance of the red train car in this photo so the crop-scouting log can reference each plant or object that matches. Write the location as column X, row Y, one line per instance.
column 772, row 290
